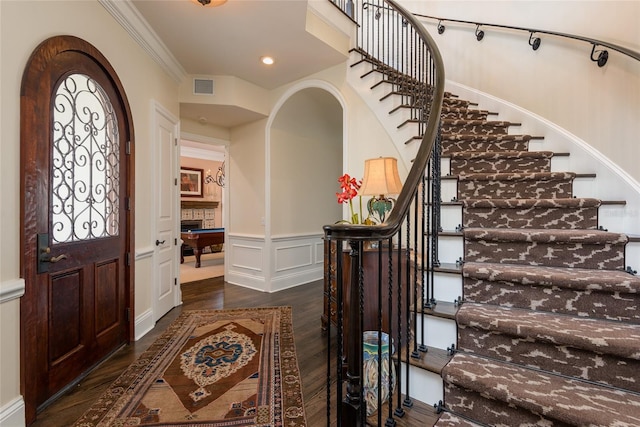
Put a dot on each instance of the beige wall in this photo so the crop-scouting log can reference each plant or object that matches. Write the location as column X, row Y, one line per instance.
column 558, row 81
column 306, row 161
column 246, row 179
column 24, row 24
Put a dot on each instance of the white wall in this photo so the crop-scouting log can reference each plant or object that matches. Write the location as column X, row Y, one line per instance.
column 23, row 25
column 558, row 81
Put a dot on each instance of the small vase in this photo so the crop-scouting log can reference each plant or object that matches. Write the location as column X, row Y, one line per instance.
column 370, row 370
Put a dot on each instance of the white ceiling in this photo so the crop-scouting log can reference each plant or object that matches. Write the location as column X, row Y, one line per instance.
column 230, row 39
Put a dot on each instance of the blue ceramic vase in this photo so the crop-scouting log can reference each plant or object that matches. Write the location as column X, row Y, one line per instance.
column 370, row 369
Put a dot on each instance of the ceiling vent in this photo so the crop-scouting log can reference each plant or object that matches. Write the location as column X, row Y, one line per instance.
column 203, row 86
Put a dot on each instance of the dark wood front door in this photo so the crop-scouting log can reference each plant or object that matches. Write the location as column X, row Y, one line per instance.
column 76, row 216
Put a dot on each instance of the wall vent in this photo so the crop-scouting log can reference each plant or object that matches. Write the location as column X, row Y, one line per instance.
column 202, row 86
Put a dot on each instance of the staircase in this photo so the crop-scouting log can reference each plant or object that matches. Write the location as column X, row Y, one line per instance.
column 548, row 327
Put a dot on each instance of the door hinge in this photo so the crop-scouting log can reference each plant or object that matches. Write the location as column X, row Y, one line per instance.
column 127, row 259
column 127, row 203
column 175, row 281
column 175, row 181
column 175, row 242
column 128, row 147
column 127, row 314
column 175, row 141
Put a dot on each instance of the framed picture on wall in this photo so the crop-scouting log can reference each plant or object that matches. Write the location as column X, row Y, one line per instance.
column 191, row 182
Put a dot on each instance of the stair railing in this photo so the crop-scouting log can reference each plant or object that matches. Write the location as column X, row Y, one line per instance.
column 379, row 276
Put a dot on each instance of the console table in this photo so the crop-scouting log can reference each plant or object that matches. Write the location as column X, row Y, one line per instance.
column 370, row 285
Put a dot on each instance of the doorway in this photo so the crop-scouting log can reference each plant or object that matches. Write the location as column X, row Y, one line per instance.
column 76, row 217
column 205, row 210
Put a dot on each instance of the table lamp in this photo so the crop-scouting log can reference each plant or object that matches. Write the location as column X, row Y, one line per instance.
column 380, row 178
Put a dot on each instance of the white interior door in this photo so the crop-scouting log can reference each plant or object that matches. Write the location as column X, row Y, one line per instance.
column 167, row 289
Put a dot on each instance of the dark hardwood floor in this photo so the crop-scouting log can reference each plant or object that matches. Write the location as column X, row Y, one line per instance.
column 311, row 345
column 311, row 348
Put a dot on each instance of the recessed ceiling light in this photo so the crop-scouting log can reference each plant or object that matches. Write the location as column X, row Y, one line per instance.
column 267, row 60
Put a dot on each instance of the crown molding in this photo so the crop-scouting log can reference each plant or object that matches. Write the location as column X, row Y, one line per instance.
column 126, row 14
column 199, row 153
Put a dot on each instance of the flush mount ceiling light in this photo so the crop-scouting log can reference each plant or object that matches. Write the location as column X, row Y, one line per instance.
column 210, row 3
column 267, row 60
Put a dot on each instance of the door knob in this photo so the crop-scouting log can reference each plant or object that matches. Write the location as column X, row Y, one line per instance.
column 159, row 242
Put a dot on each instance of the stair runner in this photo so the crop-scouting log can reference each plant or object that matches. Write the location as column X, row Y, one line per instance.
column 549, row 331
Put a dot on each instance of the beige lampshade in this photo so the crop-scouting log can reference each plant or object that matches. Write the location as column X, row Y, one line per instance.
column 380, row 177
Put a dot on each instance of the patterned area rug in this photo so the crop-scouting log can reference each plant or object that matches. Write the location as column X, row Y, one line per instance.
column 210, row 368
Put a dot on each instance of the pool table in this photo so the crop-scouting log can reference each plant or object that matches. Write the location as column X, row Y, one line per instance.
column 199, row 239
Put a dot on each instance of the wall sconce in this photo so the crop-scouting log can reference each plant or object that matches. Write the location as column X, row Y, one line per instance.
column 380, row 177
column 219, row 178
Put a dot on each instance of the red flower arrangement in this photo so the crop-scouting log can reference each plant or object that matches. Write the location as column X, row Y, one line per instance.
column 350, row 187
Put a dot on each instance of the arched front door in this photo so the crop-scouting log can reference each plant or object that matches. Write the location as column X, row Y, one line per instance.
column 77, row 187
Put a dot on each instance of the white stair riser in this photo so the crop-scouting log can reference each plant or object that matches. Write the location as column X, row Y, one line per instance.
column 447, row 286
column 425, row 386
column 438, row 332
column 445, row 166
column 449, row 190
column 450, row 249
column 632, row 256
column 450, row 217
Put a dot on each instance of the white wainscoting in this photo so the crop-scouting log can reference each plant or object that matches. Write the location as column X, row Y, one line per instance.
column 244, row 261
column 296, row 260
column 273, row 265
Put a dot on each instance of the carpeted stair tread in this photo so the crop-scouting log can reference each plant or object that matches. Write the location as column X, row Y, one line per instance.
column 546, row 236
column 500, row 162
column 530, row 176
column 600, row 336
column 572, row 202
column 540, row 185
column 463, row 113
column 475, row 126
column 447, row 419
column 603, row 294
column 554, row 248
column 596, row 350
column 553, row 399
column 583, row 279
column 455, row 142
column 502, row 155
column 577, row 213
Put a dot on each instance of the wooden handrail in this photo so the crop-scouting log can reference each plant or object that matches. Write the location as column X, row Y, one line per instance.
column 405, row 198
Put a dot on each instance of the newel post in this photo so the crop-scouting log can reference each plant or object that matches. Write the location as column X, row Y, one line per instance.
column 353, row 408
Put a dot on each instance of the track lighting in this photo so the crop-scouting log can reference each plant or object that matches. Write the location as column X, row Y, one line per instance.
column 479, row 33
column 441, row 27
column 534, row 42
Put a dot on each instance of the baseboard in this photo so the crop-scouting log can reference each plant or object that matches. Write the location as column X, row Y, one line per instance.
column 12, row 414
column 292, row 280
column 245, row 280
column 144, row 323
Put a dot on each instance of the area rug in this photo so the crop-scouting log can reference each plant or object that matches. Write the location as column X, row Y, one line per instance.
column 210, row 368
